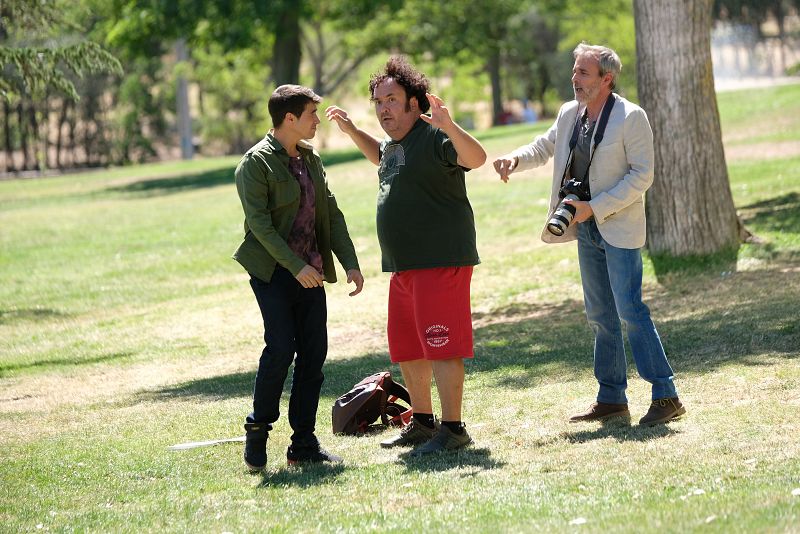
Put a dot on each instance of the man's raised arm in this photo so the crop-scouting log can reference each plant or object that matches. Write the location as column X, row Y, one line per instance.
column 470, row 152
column 367, row 144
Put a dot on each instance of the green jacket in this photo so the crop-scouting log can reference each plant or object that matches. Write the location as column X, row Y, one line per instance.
column 270, row 197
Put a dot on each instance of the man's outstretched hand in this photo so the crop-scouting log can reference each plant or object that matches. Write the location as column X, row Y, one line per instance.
column 354, row 275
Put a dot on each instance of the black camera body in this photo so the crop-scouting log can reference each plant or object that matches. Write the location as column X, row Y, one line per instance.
column 562, row 216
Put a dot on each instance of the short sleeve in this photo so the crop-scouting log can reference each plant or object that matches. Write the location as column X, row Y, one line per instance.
column 445, row 151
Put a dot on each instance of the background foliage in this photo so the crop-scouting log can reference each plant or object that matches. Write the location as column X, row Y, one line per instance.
column 487, row 57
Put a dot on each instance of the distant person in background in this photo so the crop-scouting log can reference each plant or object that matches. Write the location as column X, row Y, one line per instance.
column 528, row 113
column 609, row 226
column 292, row 226
column 426, row 231
column 506, row 117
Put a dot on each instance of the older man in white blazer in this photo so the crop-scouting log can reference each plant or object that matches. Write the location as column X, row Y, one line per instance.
column 602, row 150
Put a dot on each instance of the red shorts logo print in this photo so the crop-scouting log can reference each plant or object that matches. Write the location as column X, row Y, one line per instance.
column 437, row 335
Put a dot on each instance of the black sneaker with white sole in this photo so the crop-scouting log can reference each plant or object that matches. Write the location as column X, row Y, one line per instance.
column 255, row 446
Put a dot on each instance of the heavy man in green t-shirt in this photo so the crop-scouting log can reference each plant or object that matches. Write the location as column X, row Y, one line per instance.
column 426, row 230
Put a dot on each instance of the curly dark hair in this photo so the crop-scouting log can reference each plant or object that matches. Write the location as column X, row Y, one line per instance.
column 410, row 79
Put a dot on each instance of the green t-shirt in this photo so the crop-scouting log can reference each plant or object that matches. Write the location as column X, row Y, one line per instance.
column 424, row 217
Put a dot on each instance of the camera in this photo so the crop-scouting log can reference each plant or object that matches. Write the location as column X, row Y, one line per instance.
column 572, row 190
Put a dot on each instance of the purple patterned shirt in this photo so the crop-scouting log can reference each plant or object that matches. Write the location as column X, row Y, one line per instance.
column 302, row 238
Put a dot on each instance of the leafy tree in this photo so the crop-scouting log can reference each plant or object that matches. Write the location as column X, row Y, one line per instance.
column 341, row 35
column 601, row 22
column 34, row 60
column 233, row 97
column 531, row 53
column 477, row 27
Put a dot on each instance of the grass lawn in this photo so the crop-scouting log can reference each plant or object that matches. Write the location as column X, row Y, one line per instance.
column 126, row 328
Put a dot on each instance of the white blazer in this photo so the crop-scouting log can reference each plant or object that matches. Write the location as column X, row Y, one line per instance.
column 620, row 173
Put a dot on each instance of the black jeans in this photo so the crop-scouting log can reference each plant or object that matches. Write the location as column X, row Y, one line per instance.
column 294, row 323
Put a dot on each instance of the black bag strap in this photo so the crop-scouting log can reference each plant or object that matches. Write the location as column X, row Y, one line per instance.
column 598, row 136
column 397, row 390
column 601, row 124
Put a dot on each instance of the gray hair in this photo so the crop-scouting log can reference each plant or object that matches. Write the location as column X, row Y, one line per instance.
column 607, row 58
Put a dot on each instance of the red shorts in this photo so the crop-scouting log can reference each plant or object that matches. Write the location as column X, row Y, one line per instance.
column 429, row 314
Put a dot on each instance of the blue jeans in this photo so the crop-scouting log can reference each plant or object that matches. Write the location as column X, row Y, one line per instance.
column 294, row 324
column 612, row 290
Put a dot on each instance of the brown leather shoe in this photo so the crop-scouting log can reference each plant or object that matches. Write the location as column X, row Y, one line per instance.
column 600, row 411
column 663, row 410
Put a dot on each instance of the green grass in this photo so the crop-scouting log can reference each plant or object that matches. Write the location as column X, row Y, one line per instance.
column 125, row 328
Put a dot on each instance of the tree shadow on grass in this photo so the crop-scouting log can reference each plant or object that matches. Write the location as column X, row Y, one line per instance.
column 29, row 314
column 620, row 432
column 211, row 388
column 780, row 214
column 303, row 475
column 472, row 460
column 212, row 178
column 340, row 376
column 175, row 184
column 734, row 320
column 5, row 368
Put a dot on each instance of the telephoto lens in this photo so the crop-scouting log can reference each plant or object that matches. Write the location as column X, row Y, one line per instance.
column 563, row 215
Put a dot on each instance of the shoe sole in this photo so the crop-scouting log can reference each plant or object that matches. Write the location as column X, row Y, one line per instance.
column 406, row 444
column 410, row 443
column 417, row 453
column 254, row 468
column 620, row 415
column 301, row 462
column 681, row 411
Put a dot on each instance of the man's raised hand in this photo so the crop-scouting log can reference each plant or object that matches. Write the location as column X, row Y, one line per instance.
column 339, row 116
column 440, row 115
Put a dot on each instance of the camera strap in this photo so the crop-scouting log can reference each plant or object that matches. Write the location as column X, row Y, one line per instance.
column 600, row 131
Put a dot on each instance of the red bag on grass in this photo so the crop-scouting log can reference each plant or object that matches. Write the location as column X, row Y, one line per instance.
column 374, row 397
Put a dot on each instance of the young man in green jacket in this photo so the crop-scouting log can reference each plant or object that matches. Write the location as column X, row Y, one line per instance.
column 292, row 229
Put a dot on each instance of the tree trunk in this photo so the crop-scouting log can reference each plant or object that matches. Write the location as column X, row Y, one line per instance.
column 23, row 134
column 544, row 84
column 780, row 17
column 494, row 76
column 73, row 118
column 46, row 109
column 35, row 141
column 70, row 131
column 286, row 49
column 184, row 113
column 62, row 119
column 689, row 207
column 9, row 147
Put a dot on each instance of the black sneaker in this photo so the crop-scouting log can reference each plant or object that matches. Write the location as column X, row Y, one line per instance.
column 295, row 455
column 255, row 446
column 444, row 440
column 414, row 433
